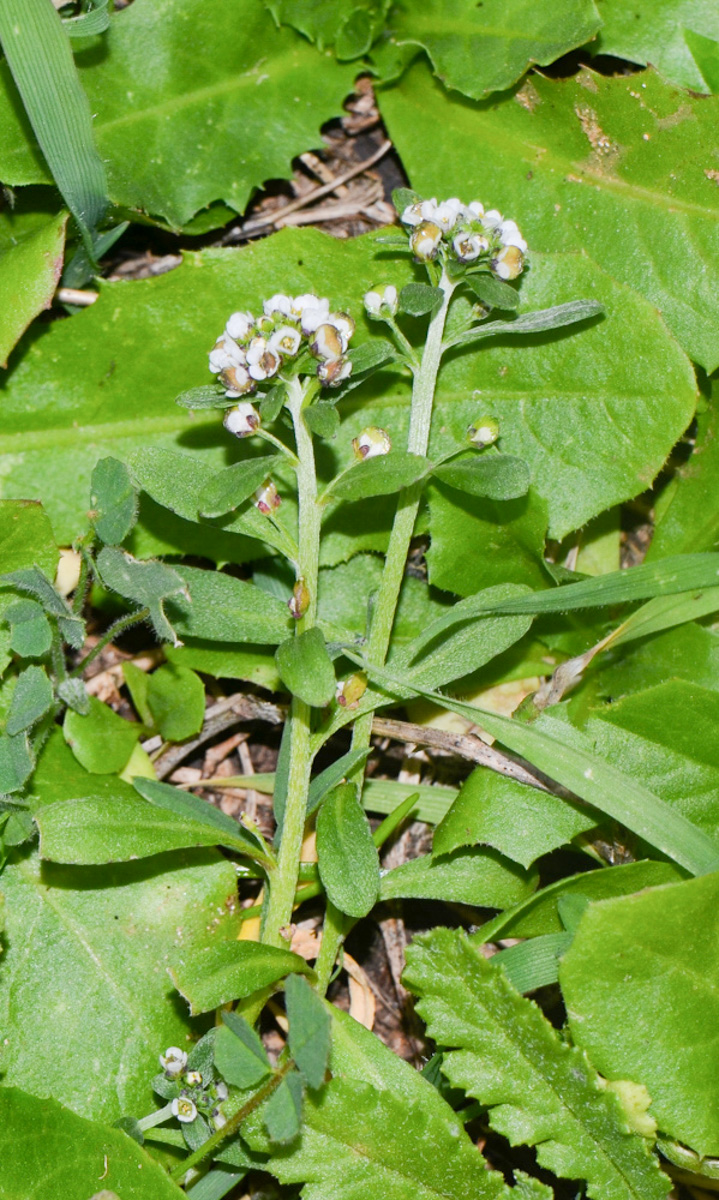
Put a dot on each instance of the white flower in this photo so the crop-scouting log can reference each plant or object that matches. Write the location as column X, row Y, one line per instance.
column 372, row 442
column 236, row 381
column 492, row 220
column 483, row 432
column 218, row 1118
column 267, row 498
column 423, row 210
column 285, row 341
column 447, row 214
column 509, row 235
column 334, row 371
column 468, row 246
column 379, row 299
column 509, row 262
column 226, row 353
column 184, row 1109
column 221, row 1091
column 328, row 342
column 425, row 241
column 344, row 325
column 240, row 325
column 193, row 1079
column 474, row 211
column 279, row 304
column 173, row 1061
column 242, row 420
column 299, row 304
column 262, row 362
column 314, row 315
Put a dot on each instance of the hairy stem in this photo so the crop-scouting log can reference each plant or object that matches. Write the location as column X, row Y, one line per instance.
column 118, row 627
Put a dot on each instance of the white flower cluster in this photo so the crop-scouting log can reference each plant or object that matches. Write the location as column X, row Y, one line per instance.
column 253, row 349
column 467, row 233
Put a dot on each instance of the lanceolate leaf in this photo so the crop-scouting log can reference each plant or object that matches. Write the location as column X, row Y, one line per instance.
column 348, row 863
column 540, row 1091
column 222, row 971
column 218, row 124
column 619, row 171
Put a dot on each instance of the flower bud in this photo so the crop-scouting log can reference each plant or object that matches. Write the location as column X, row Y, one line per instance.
column 184, row 1109
column 218, row 1118
column 414, row 214
column 483, row 432
column 327, row 342
column 240, row 325
column 242, row 420
column 193, row 1079
column 345, row 326
column 173, row 1061
column 372, row 442
column 278, row 305
column 447, row 214
column 381, row 302
column 262, row 362
column 267, row 498
column 508, row 263
column 468, row 246
column 299, row 601
column 425, row 241
column 236, row 381
column 332, row 373
column 350, row 691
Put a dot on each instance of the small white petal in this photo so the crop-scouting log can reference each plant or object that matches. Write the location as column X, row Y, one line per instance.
column 184, row 1109
column 285, row 341
column 240, row 325
column 278, row 303
column 242, row 420
column 173, row 1061
column 492, row 219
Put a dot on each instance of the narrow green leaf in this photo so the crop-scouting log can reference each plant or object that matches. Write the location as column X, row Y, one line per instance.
column 370, row 356
column 309, row 1032
column 30, row 631
column 228, row 489
column 306, row 668
column 239, row 1054
column 539, row 1090
column 31, row 699
column 114, row 501
column 193, row 808
column 348, row 861
column 96, row 20
column 535, row 322
column 230, row 970
column 102, row 741
column 332, row 775
column 40, row 58
column 16, row 762
column 149, row 584
column 498, row 477
column 534, row 963
column 493, row 292
column 394, row 819
column 176, row 698
column 282, row 1113
column 210, row 396
column 469, row 875
column 417, row 299
column 380, row 476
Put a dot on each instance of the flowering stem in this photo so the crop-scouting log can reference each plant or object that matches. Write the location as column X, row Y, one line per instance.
column 155, row 1118
column 270, row 437
column 425, row 382
column 117, row 628
column 283, row 881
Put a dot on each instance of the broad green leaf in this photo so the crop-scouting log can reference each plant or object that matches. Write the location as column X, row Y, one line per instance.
column 322, row 420
column 475, row 52
column 39, row 55
column 344, row 595
column 225, row 661
column 150, row 584
column 222, row 971
column 26, row 538
column 48, row 1150
column 493, row 292
column 519, row 821
column 689, row 519
column 348, row 862
column 653, row 31
column 499, row 477
column 380, row 476
column 31, row 251
column 641, row 986
column 350, row 1147
column 690, row 652
column 32, row 698
column 239, row 1054
column 105, row 937
column 146, row 92
column 309, row 1032
column 226, row 609
column 624, row 153
column 30, row 630
column 114, row 501
column 102, row 741
column 349, row 25
column 705, row 52
column 176, row 697
column 16, row 762
column 230, row 488
column 33, row 582
column 282, row 1113
column 193, row 808
column 540, row 1091
column 471, row 875
column 539, row 914
column 306, row 669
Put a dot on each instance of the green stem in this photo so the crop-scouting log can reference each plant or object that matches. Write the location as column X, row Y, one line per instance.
column 425, row 382
column 334, row 931
column 233, row 1123
column 283, row 882
column 118, row 627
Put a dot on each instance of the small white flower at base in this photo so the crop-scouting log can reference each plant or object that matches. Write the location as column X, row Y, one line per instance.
column 381, row 301
column 415, row 214
column 173, row 1061
column 425, row 240
column 344, row 325
column 262, row 362
column 242, row 420
column 184, row 1109
column 278, row 304
column 285, row 341
column 193, row 1079
column 483, row 432
column 334, row 372
column 267, row 498
column 328, row 342
column 447, row 214
column 236, row 381
column 240, row 325
column 371, row 443
column 509, row 263
column 468, row 246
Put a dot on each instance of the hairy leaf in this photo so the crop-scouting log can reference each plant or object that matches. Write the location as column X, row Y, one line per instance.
column 466, row 876
column 222, row 971
column 306, row 669
column 26, row 538
column 309, row 1033
column 348, row 863
column 114, row 501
